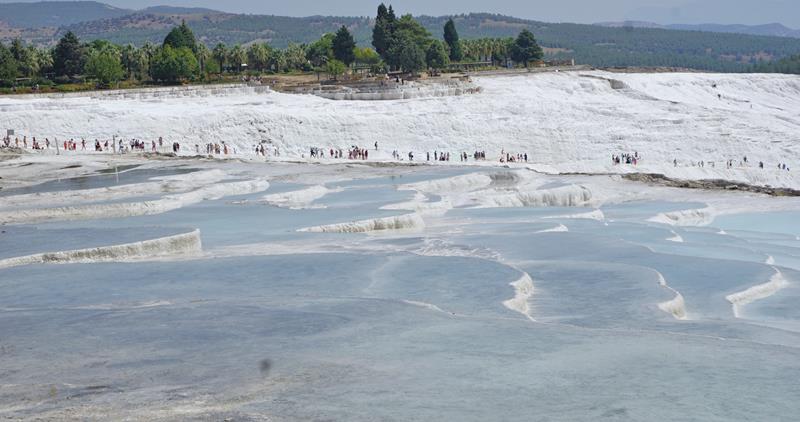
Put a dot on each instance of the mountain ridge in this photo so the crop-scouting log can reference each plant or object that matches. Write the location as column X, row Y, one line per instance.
column 33, row 15
column 769, row 29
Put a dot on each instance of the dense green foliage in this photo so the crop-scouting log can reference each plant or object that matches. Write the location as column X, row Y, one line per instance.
column 404, row 44
column 437, row 55
column 174, row 64
column 525, row 48
column 69, row 56
column 344, row 46
column 366, row 56
column 788, row 65
column 487, row 49
column 8, row 66
column 220, row 54
column 406, row 55
column 29, row 60
column 106, row 63
column 320, row 51
column 104, row 66
column 451, row 38
column 181, row 36
column 237, row 57
column 258, row 56
column 382, row 31
column 134, row 61
column 335, row 68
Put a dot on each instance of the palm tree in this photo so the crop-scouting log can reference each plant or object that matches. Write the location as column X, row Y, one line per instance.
column 203, row 54
column 32, row 62
column 146, row 53
column 277, row 60
column 220, row 54
column 296, row 56
column 237, row 57
column 129, row 59
column 258, row 56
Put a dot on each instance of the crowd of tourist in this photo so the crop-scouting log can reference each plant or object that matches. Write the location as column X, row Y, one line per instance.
column 625, row 158
column 730, row 164
column 352, row 153
column 506, row 157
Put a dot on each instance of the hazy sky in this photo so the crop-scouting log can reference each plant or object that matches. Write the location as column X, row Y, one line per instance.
column 583, row 11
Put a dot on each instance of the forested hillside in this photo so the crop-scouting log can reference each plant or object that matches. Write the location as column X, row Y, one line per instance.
column 770, row 29
column 602, row 46
column 589, row 44
column 213, row 28
column 56, row 13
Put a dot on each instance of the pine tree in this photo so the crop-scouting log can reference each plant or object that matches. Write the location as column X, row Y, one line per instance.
column 344, row 46
column 525, row 48
column 69, row 56
column 181, row 36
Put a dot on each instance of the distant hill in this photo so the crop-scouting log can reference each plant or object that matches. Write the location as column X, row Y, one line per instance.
column 212, row 28
column 631, row 24
column 771, row 29
column 167, row 10
column 56, row 13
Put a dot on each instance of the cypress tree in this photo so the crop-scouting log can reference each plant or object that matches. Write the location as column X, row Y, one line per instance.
column 383, row 31
column 451, row 38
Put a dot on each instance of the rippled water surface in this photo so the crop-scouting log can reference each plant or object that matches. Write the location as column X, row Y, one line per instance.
column 440, row 308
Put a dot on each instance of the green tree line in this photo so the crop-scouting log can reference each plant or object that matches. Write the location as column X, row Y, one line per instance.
column 401, row 44
column 788, row 65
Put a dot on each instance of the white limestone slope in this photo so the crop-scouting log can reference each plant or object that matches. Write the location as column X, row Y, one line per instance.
column 565, row 121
